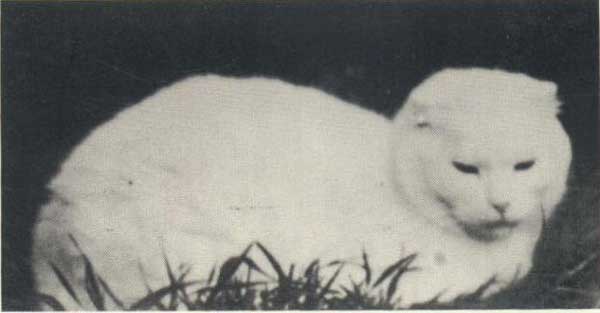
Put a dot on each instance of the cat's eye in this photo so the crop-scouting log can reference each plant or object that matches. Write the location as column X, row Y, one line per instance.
column 523, row 166
column 465, row 168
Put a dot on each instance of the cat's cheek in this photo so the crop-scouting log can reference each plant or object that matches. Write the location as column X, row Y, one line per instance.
column 524, row 207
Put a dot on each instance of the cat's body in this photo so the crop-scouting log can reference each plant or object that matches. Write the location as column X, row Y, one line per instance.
column 203, row 168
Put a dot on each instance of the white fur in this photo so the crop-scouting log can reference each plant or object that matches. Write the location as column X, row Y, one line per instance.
column 206, row 166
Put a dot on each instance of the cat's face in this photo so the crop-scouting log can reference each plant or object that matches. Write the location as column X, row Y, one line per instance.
column 495, row 176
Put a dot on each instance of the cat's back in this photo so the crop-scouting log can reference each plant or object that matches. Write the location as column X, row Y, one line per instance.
column 237, row 119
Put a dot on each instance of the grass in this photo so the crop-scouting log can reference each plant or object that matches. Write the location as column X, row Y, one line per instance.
column 224, row 289
column 565, row 274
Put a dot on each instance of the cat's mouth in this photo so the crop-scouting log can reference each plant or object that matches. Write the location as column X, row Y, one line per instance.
column 489, row 231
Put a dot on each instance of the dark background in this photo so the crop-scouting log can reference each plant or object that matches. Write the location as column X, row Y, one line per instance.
column 66, row 67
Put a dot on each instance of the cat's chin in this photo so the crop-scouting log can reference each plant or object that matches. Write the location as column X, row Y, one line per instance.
column 489, row 231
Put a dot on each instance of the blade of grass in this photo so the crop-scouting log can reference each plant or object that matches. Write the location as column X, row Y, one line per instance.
column 233, row 285
column 310, row 269
column 391, row 269
column 184, row 295
column 276, row 266
column 249, row 275
column 251, row 264
column 50, row 301
column 393, row 285
column 111, row 294
column 578, row 268
column 228, row 269
column 91, row 284
column 144, row 280
column 149, row 290
column 75, row 243
column 477, row 294
column 349, row 293
column 327, row 286
column 64, row 282
column 226, row 272
column 357, row 289
column 387, row 272
column 231, row 265
column 247, row 250
column 394, row 281
column 311, row 274
column 185, row 271
column 154, row 298
column 291, row 272
column 211, row 275
column 429, row 303
column 366, row 267
column 335, row 262
column 210, row 290
column 173, row 299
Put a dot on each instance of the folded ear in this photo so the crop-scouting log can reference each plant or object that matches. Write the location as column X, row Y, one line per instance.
column 417, row 113
column 549, row 88
column 547, row 92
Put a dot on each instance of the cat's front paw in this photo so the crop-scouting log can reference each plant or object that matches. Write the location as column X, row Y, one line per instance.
column 444, row 285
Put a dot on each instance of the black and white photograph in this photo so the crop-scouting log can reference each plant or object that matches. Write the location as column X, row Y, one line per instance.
column 300, row 155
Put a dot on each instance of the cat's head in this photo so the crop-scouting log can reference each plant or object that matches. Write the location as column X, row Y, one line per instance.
column 484, row 151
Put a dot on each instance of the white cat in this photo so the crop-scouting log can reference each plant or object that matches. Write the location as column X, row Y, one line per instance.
column 464, row 176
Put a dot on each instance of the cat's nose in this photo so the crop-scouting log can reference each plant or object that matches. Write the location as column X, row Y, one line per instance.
column 501, row 207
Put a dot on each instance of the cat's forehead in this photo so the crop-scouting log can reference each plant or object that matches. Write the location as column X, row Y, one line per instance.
column 484, row 141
